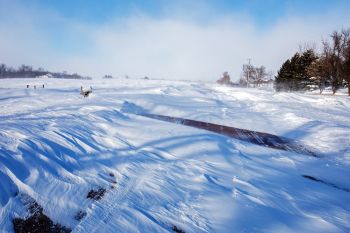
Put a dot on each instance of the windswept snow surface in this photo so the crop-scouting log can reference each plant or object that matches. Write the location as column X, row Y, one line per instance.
column 55, row 146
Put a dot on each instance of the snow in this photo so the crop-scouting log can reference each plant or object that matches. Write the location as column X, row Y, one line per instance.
column 55, row 146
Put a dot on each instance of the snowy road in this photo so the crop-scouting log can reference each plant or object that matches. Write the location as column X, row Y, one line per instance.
column 56, row 146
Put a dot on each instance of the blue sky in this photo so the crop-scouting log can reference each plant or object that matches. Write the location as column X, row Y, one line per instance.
column 264, row 12
column 193, row 39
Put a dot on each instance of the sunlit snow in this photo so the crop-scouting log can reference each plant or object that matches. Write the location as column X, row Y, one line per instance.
column 56, row 146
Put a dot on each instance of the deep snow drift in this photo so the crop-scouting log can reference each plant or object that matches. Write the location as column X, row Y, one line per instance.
column 58, row 148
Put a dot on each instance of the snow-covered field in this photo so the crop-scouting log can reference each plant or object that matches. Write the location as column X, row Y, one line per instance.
column 55, row 146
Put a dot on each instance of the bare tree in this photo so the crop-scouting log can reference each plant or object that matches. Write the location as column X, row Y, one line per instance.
column 332, row 63
column 307, row 46
column 242, row 81
column 248, row 72
column 336, row 59
column 245, row 74
column 252, row 75
column 319, row 72
column 260, row 75
column 346, row 57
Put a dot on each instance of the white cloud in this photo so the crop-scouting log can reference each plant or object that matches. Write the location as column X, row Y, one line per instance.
column 163, row 47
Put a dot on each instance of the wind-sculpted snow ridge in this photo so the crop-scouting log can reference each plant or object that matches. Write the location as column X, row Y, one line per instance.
column 93, row 165
column 259, row 138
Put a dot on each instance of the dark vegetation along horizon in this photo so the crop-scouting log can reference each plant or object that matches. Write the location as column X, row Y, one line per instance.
column 26, row 71
column 308, row 70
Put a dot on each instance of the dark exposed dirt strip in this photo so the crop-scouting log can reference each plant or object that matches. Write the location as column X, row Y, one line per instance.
column 259, row 138
column 326, row 183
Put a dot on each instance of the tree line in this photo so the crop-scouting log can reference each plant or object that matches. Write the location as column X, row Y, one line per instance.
column 328, row 68
column 251, row 76
column 26, row 71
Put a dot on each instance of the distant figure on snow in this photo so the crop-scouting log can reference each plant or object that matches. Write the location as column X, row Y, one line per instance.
column 43, row 86
column 85, row 93
column 27, row 86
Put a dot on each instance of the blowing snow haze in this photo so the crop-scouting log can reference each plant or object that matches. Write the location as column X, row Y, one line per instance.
column 193, row 40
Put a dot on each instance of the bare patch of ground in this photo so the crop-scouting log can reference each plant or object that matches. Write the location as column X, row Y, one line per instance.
column 80, row 215
column 38, row 222
column 177, row 230
column 325, row 182
column 96, row 194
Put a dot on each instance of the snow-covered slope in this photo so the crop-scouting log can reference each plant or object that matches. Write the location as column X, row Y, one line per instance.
column 56, row 146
